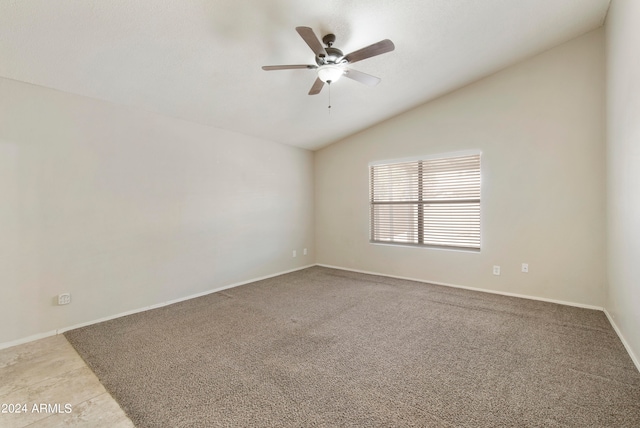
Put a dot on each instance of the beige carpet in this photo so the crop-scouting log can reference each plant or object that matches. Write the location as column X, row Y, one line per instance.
column 330, row 348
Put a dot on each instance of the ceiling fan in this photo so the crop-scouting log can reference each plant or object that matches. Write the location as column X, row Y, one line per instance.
column 331, row 63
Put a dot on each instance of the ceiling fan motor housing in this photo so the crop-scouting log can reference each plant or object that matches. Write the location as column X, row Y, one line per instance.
column 334, row 55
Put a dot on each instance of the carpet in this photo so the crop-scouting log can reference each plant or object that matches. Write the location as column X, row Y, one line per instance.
column 329, row 348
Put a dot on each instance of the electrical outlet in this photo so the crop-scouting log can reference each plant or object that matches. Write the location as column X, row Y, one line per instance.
column 496, row 270
column 525, row 267
column 295, row 253
column 304, row 252
column 64, row 298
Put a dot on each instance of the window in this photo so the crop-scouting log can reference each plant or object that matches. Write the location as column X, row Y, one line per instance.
column 431, row 202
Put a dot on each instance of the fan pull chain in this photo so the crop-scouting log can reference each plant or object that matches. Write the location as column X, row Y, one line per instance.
column 329, row 83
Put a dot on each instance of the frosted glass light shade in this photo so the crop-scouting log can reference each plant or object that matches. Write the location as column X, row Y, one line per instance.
column 330, row 73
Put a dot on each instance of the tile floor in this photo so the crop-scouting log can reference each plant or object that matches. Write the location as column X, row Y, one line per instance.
column 50, row 372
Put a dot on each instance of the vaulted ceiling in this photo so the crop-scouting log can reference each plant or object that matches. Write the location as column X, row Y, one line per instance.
column 200, row 60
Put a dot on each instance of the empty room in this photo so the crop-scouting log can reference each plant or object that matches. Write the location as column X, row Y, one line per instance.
column 289, row 213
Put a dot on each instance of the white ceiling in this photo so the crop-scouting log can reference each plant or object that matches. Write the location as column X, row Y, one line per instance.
column 200, row 59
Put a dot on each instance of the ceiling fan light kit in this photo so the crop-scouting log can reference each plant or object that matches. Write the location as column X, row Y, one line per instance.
column 331, row 63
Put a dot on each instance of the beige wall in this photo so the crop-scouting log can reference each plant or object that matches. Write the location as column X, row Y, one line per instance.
column 540, row 127
column 623, row 169
column 126, row 209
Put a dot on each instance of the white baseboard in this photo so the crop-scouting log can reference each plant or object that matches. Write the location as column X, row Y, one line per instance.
column 146, row 308
column 633, row 356
column 28, row 339
column 483, row 290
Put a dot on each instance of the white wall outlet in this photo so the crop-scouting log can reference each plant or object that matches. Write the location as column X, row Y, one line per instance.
column 496, row 270
column 64, row 298
column 295, row 253
column 525, row 267
column 304, row 252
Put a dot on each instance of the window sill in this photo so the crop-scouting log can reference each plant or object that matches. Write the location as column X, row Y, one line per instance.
column 427, row 247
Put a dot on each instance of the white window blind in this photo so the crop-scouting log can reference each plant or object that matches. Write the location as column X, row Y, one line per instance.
column 431, row 202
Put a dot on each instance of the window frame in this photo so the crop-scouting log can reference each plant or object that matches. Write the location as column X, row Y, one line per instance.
column 420, row 205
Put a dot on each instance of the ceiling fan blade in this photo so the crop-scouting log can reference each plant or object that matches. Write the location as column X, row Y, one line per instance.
column 287, row 67
column 361, row 77
column 311, row 39
column 379, row 48
column 317, row 87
